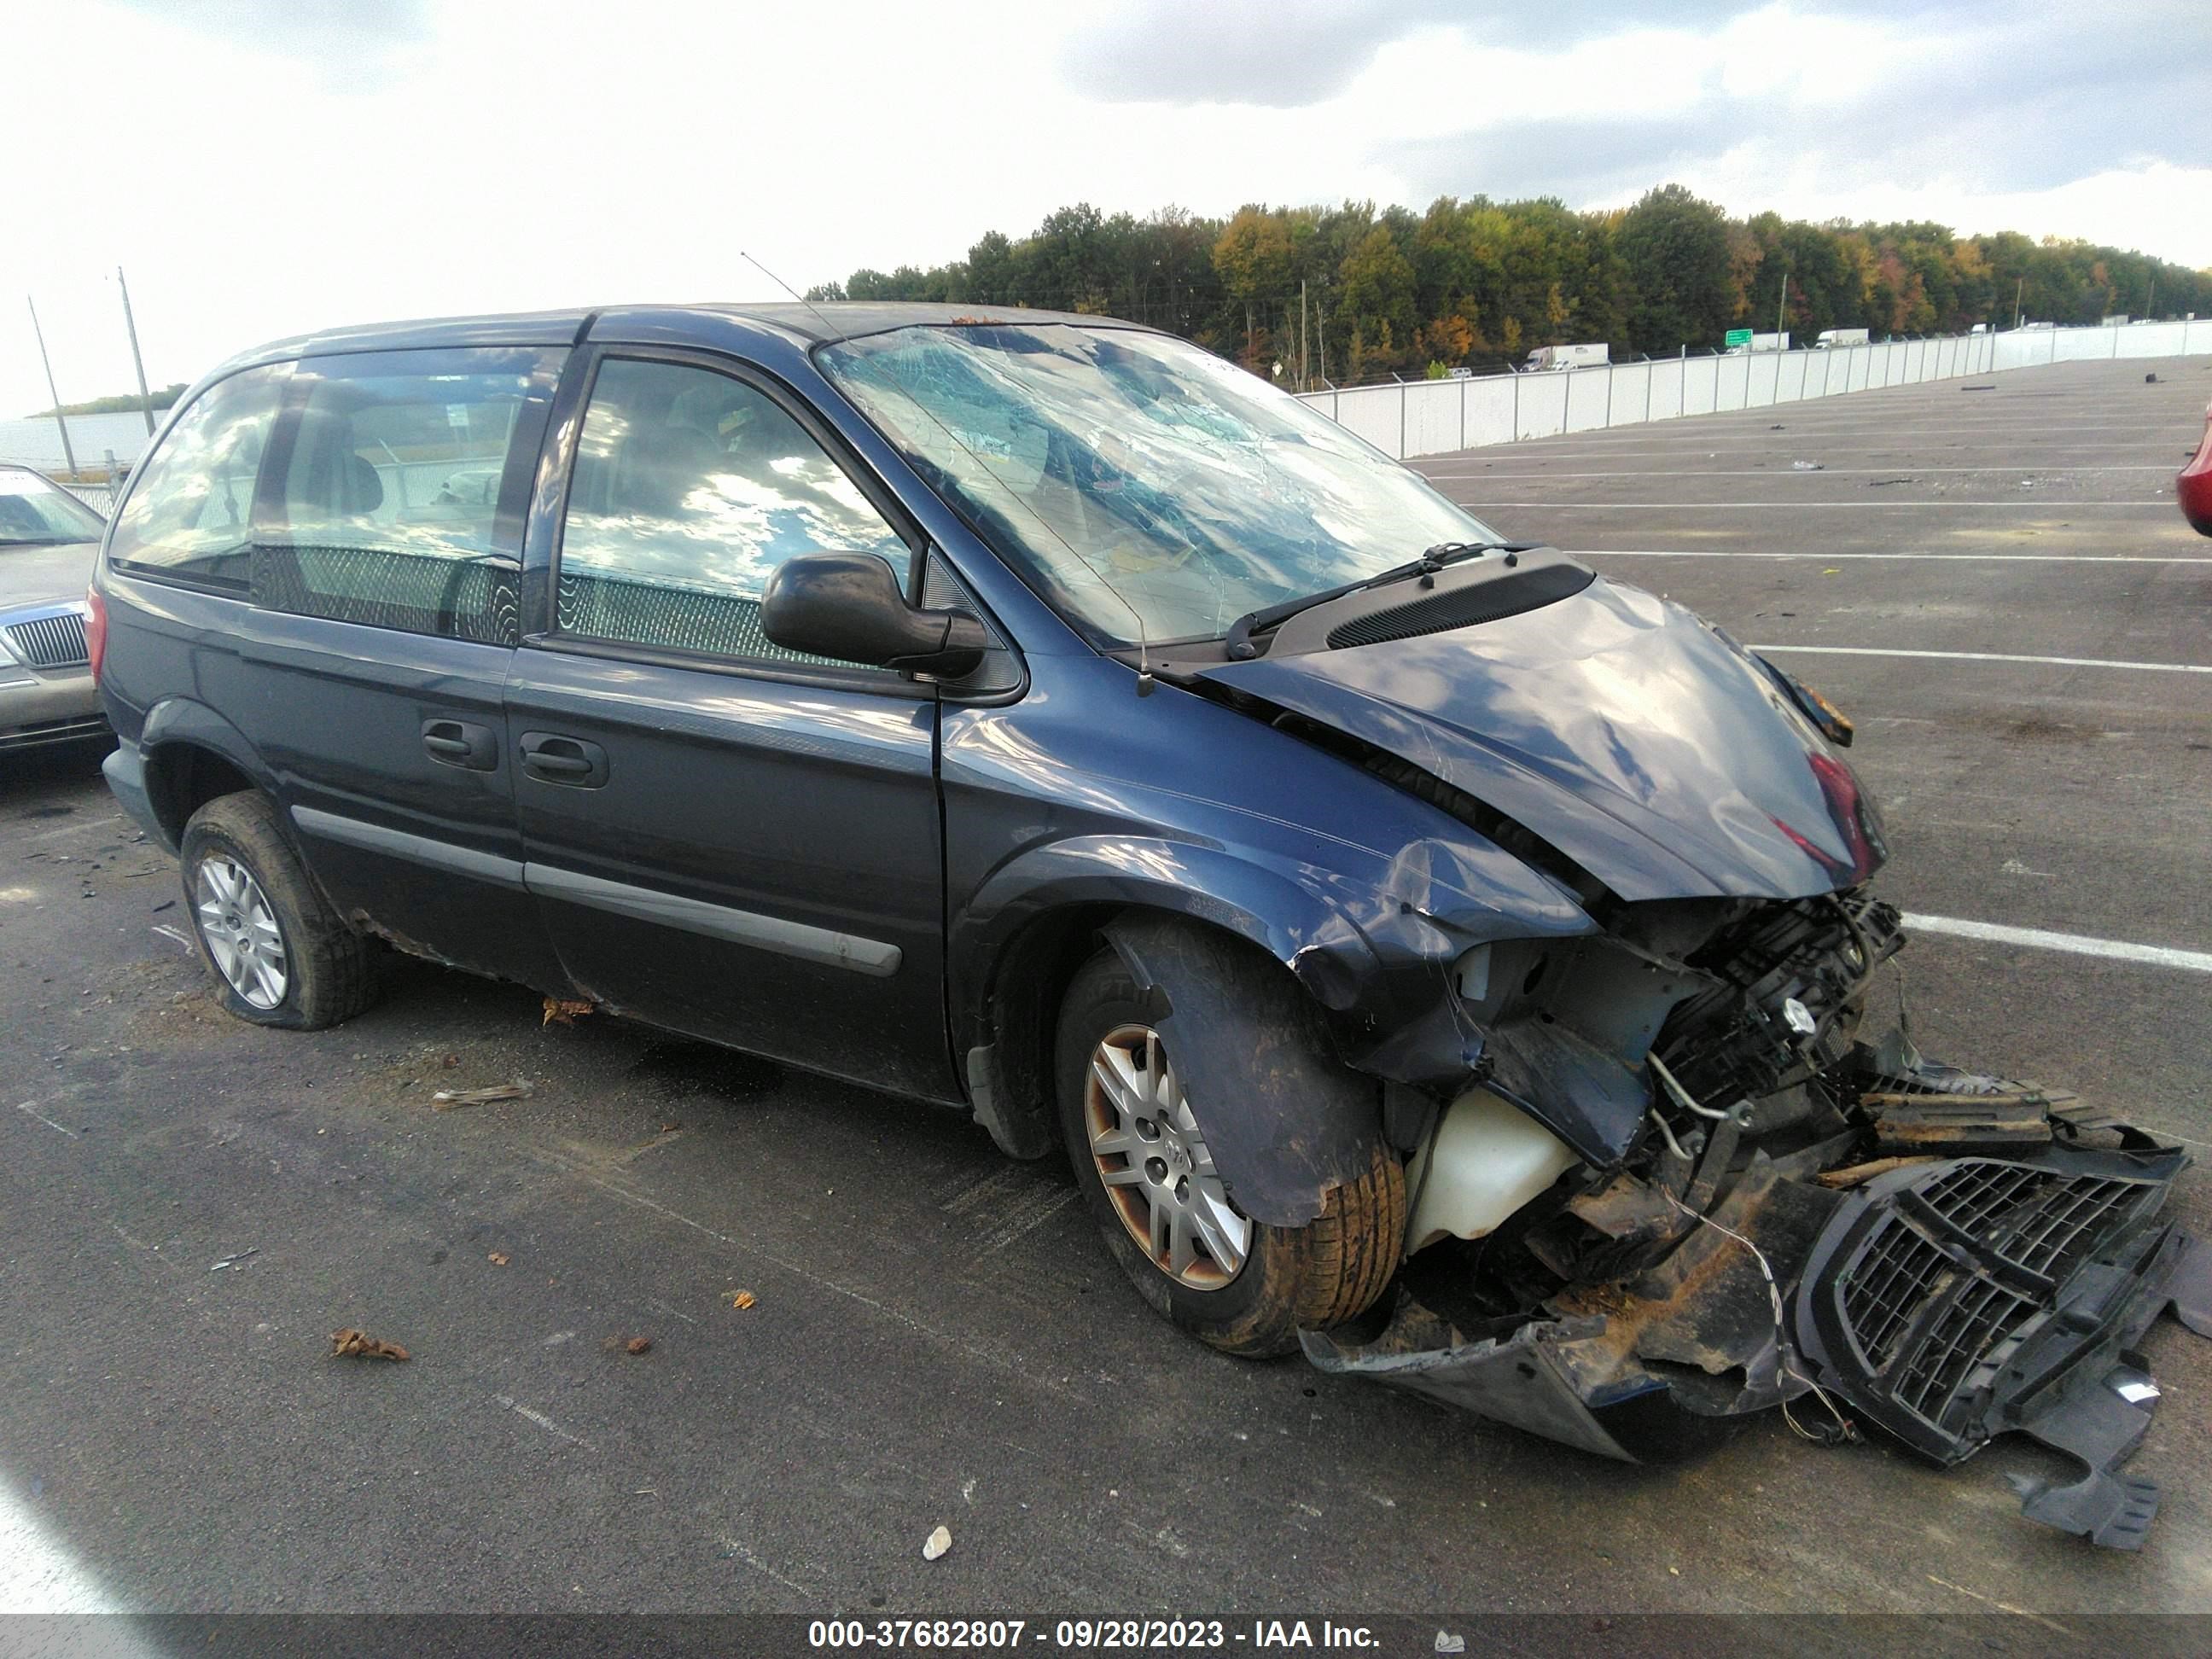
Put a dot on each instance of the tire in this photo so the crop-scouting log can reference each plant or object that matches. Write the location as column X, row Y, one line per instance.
column 318, row 972
column 1322, row 1273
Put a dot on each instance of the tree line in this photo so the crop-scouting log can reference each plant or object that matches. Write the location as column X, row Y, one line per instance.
column 1355, row 292
column 121, row 403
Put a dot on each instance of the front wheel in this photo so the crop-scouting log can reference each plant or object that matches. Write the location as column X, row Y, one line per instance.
column 1138, row 1143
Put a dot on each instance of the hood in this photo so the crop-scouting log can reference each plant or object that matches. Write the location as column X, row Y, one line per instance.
column 45, row 575
column 1642, row 743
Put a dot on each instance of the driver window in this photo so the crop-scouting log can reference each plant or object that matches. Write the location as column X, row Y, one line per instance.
column 690, row 487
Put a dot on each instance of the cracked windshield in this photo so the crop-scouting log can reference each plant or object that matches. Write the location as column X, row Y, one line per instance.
column 1156, row 492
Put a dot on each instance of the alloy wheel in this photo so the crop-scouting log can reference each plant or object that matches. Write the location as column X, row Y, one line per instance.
column 239, row 925
column 1154, row 1164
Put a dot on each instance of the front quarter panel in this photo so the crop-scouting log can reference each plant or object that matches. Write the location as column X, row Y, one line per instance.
column 1087, row 794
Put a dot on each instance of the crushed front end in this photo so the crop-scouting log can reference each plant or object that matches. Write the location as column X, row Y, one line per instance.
column 1683, row 1185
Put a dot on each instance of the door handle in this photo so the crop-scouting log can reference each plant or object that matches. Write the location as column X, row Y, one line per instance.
column 461, row 743
column 552, row 759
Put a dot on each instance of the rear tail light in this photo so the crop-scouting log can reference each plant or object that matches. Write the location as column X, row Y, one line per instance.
column 95, row 629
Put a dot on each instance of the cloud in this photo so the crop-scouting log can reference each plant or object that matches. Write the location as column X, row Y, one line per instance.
column 1291, row 54
column 344, row 41
column 1830, row 105
column 264, row 168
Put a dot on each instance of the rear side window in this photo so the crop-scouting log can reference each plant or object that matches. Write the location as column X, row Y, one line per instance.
column 191, row 513
column 690, row 487
column 402, row 478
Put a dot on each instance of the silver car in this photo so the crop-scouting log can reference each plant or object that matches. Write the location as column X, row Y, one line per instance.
column 48, row 541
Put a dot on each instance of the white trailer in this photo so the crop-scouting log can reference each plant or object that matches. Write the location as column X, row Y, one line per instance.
column 1840, row 336
column 1568, row 356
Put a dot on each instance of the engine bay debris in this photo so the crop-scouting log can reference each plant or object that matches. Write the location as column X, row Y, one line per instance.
column 1802, row 1219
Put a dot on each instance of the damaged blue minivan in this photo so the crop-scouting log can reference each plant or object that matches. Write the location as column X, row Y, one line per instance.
column 1429, row 954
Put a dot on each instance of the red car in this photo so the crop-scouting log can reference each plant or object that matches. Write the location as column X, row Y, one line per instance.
column 2194, row 485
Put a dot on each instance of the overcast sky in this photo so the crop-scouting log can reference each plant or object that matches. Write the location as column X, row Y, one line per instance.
column 266, row 167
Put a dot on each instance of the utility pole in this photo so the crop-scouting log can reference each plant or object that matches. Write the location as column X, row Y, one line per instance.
column 60, row 420
column 2018, row 289
column 1302, row 382
column 2150, row 305
column 145, row 397
column 1781, row 310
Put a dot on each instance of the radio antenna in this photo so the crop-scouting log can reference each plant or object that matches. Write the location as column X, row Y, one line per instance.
column 786, row 288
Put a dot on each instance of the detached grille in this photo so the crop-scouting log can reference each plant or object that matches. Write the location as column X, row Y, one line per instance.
column 1974, row 1196
column 1957, row 1341
column 1935, row 1289
column 2034, row 1218
column 55, row 641
column 1886, row 1289
column 2060, row 1234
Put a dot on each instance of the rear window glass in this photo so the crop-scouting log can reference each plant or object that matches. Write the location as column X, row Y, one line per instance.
column 392, row 470
column 191, row 513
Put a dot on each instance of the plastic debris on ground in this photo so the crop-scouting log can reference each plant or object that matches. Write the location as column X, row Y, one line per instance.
column 939, row 1541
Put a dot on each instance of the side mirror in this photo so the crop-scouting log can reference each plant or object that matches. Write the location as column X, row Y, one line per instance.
column 848, row 606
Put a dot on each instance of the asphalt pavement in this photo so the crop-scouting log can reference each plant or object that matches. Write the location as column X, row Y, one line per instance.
column 936, row 1336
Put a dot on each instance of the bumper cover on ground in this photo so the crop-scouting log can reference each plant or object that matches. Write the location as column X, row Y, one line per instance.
column 1946, row 1304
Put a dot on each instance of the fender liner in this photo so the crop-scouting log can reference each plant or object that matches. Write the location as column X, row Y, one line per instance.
column 1284, row 1121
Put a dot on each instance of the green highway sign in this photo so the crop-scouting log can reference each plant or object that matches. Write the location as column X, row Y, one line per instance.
column 1736, row 337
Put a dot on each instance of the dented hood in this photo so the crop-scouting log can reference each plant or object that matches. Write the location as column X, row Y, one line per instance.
column 1640, row 742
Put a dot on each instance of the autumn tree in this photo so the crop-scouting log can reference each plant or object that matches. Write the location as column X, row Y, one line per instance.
column 1253, row 257
column 1471, row 279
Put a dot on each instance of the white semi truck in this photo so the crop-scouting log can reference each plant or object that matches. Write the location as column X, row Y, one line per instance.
column 1568, row 356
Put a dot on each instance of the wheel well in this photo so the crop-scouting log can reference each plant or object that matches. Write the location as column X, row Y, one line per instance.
column 1028, row 983
column 183, row 777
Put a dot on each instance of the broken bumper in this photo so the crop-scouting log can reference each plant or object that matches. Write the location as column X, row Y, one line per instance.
column 1947, row 1303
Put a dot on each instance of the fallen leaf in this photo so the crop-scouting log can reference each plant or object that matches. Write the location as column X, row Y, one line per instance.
column 739, row 1298
column 497, row 1258
column 1833, row 570
column 362, row 1344
column 939, row 1541
column 670, row 1128
column 445, row 1099
column 561, row 1011
column 637, row 1345
column 450, row 1061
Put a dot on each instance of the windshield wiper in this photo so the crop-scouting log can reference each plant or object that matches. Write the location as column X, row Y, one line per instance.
column 1237, row 642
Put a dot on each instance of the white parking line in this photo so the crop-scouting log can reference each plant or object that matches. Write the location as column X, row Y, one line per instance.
column 38, row 1576
column 1941, row 558
column 1533, row 450
column 1814, row 472
column 2161, row 504
column 1695, row 428
column 1986, row 656
column 2158, row 956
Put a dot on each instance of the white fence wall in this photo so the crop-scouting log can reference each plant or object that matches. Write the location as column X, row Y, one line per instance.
column 2029, row 348
column 1432, row 418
